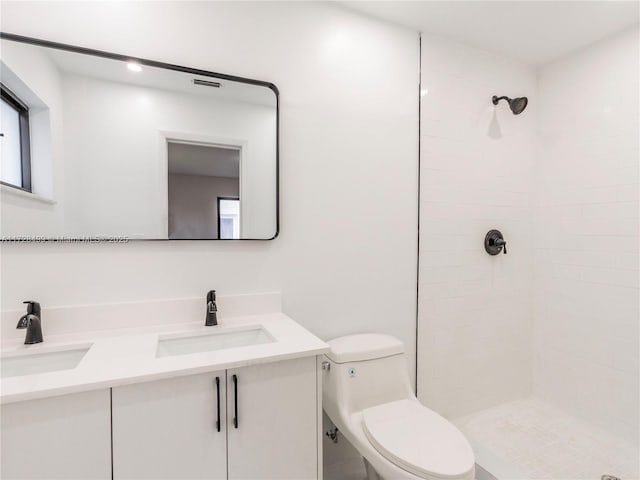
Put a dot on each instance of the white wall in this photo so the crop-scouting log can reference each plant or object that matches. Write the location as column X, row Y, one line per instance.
column 586, row 234
column 346, row 254
column 475, row 314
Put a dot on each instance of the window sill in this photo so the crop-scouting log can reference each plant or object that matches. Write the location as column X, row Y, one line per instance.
column 5, row 189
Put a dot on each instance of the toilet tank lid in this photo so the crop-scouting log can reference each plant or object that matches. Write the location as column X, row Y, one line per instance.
column 366, row 346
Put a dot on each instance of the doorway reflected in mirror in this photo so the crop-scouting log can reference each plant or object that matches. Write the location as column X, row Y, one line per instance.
column 204, row 191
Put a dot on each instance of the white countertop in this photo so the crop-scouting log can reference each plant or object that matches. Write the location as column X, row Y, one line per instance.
column 128, row 355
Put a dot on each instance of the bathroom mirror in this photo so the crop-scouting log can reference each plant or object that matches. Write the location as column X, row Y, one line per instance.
column 102, row 146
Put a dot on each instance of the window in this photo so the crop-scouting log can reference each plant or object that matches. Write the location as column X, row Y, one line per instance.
column 228, row 218
column 15, row 169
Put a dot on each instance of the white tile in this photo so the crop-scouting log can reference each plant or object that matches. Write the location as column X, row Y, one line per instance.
column 544, row 442
column 559, row 313
column 586, row 226
column 474, row 310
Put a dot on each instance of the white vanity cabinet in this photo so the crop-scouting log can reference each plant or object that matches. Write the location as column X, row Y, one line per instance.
column 278, row 409
column 66, row 437
column 168, row 429
column 268, row 425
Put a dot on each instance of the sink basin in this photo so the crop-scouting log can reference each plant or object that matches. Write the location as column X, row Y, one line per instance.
column 22, row 363
column 185, row 344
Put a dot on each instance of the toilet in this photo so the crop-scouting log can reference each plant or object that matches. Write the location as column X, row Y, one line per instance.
column 368, row 396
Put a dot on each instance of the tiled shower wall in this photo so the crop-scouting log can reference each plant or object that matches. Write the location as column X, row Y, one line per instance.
column 586, row 302
column 475, row 314
column 557, row 317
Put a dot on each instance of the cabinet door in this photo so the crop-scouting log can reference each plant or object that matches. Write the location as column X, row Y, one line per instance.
column 277, row 411
column 168, row 429
column 66, row 437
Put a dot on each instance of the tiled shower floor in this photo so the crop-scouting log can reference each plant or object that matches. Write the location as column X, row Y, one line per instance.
column 530, row 439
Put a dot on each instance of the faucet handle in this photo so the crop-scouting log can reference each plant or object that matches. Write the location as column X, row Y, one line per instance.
column 494, row 242
column 33, row 307
column 500, row 242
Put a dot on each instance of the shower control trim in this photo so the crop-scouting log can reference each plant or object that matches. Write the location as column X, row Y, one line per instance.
column 494, row 242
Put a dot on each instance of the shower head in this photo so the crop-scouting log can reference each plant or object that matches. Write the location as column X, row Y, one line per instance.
column 517, row 105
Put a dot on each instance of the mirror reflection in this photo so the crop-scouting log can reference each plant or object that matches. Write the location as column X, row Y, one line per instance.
column 204, row 184
column 126, row 148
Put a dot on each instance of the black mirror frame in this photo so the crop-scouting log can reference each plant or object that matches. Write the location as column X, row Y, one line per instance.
column 168, row 66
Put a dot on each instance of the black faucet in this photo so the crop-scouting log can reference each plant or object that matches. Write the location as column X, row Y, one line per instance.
column 32, row 322
column 212, row 309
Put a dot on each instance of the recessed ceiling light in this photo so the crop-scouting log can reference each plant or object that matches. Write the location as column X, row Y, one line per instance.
column 134, row 67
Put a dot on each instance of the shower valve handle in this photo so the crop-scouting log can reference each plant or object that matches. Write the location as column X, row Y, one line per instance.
column 502, row 243
column 494, row 242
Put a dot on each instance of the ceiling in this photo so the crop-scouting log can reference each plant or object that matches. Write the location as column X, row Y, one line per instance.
column 207, row 160
column 534, row 32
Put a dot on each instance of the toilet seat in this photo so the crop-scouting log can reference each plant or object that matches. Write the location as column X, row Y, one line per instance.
column 418, row 440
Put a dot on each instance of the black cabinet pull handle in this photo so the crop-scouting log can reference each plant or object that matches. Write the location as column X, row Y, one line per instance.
column 235, row 401
column 218, row 402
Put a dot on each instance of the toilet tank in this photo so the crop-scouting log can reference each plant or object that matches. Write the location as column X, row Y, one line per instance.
column 364, row 371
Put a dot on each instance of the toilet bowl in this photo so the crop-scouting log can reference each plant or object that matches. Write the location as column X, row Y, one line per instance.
column 368, row 396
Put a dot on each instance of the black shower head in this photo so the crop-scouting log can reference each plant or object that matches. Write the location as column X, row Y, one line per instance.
column 517, row 105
